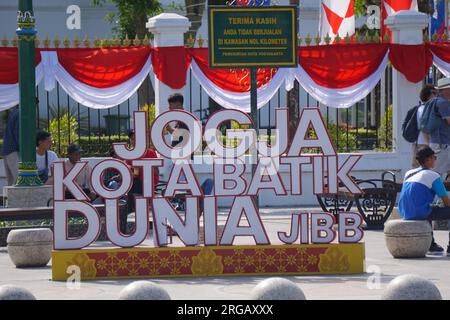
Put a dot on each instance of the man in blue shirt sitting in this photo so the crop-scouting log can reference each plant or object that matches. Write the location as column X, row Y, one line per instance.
column 420, row 187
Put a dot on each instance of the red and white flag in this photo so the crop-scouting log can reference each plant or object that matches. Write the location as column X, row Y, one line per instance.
column 337, row 17
column 389, row 7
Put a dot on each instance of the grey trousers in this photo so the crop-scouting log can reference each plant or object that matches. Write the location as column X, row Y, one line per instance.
column 11, row 163
column 440, row 213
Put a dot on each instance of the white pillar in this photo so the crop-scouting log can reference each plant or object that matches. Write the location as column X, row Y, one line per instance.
column 168, row 30
column 407, row 27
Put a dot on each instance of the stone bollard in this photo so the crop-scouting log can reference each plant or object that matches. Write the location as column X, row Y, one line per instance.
column 408, row 239
column 30, row 247
column 143, row 290
column 411, row 287
column 10, row 292
column 277, row 289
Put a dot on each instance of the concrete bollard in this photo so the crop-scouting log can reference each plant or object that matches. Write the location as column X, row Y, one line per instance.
column 143, row 290
column 30, row 247
column 408, row 239
column 10, row 292
column 411, row 287
column 277, row 289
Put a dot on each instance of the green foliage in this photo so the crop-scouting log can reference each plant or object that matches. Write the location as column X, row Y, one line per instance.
column 55, row 113
column 360, row 7
column 96, row 146
column 151, row 111
column 385, row 131
column 131, row 16
column 72, row 111
column 64, row 131
column 343, row 140
column 236, row 126
column 363, row 133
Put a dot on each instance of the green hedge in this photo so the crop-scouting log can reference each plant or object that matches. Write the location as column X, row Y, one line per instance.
column 99, row 146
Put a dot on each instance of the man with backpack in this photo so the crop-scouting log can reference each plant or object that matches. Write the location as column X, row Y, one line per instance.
column 436, row 121
column 411, row 125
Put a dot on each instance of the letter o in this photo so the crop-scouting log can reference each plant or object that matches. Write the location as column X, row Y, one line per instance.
column 97, row 181
column 195, row 134
column 211, row 132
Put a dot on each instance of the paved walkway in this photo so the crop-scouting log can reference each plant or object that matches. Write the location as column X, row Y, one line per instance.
column 378, row 259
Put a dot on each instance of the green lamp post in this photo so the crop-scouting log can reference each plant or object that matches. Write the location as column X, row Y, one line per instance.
column 27, row 174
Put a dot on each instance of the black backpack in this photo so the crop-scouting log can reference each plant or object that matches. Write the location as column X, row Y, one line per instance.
column 410, row 128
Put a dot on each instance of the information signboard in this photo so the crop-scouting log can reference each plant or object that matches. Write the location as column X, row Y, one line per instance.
column 252, row 36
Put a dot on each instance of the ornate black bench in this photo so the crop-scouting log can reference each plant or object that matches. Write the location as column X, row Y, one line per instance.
column 375, row 204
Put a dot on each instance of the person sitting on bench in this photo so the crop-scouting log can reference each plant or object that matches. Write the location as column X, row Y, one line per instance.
column 84, row 178
column 420, row 187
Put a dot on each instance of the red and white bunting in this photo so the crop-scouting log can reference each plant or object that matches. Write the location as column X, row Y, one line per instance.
column 97, row 78
column 342, row 77
column 9, row 77
column 231, row 87
column 336, row 75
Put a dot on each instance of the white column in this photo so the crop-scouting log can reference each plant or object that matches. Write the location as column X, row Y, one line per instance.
column 407, row 27
column 168, row 30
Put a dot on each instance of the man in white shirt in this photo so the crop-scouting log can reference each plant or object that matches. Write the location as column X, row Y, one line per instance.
column 44, row 156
